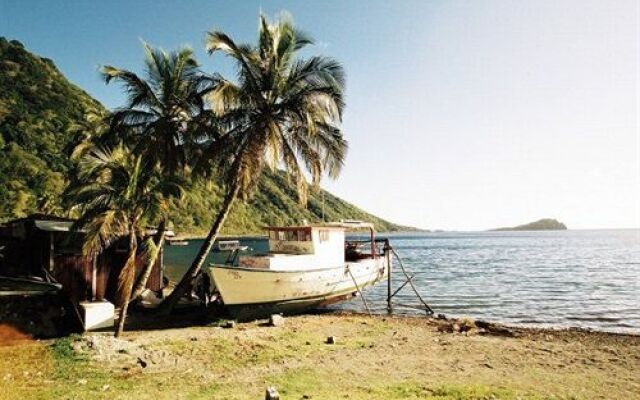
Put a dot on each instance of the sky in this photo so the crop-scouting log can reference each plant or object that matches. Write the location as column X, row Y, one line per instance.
column 461, row 115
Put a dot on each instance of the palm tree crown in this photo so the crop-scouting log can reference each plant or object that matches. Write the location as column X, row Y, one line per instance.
column 116, row 192
column 157, row 119
column 282, row 111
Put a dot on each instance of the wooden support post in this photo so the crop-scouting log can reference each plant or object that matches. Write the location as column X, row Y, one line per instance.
column 51, row 252
column 364, row 300
column 387, row 254
column 373, row 245
column 94, row 278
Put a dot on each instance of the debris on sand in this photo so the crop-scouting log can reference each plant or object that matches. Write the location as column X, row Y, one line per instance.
column 468, row 326
column 124, row 353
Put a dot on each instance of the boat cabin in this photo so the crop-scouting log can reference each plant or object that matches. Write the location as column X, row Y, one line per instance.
column 311, row 246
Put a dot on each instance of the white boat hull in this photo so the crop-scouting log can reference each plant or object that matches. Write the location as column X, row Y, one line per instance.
column 253, row 292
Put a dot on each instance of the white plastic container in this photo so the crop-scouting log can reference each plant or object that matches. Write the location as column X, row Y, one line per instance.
column 97, row 315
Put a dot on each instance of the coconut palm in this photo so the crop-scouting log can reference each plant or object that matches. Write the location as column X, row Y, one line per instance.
column 281, row 111
column 161, row 118
column 117, row 193
column 155, row 119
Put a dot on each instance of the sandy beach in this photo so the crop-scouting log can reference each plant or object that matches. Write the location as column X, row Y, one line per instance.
column 373, row 358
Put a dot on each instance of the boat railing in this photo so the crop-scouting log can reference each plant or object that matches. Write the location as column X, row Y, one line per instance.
column 359, row 249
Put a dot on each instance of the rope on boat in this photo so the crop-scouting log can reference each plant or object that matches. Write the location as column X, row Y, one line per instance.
column 410, row 282
column 364, row 300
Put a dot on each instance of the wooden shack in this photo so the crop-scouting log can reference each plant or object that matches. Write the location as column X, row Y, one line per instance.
column 45, row 248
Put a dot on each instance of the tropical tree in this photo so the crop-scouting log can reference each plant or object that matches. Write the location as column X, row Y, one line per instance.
column 117, row 193
column 161, row 120
column 281, row 111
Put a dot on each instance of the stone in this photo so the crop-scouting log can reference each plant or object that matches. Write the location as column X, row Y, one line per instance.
column 271, row 394
column 276, row 320
column 445, row 328
column 230, row 324
column 332, row 340
column 142, row 362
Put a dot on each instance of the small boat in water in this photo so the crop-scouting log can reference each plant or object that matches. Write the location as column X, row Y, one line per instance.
column 177, row 242
column 229, row 245
column 306, row 267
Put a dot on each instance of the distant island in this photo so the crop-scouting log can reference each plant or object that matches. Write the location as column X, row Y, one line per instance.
column 545, row 224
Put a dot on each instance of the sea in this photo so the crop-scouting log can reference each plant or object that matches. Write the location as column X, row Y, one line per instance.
column 575, row 278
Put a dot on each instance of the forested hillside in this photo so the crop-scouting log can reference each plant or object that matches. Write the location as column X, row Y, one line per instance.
column 43, row 116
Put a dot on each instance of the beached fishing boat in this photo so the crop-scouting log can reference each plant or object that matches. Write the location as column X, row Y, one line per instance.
column 306, row 267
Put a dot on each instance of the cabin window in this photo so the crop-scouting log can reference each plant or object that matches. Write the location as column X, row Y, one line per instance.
column 273, row 235
column 281, row 235
column 301, row 236
column 324, row 235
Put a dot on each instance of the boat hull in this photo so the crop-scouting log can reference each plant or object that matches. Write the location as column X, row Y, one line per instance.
column 250, row 293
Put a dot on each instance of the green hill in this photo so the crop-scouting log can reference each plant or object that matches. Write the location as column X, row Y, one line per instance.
column 274, row 203
column 545, row 224
column 43, row 116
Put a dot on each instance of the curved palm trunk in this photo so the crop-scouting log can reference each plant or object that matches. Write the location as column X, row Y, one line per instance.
column 186, row 282
column 151, row 261
column 125, row 282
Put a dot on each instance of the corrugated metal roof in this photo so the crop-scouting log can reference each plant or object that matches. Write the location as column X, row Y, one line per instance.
column 65, row 226
column 53, row 226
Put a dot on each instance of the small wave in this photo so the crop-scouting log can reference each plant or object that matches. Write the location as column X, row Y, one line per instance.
column 593, row 319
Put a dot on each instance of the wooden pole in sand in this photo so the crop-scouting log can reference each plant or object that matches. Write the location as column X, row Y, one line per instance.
column 387, row 254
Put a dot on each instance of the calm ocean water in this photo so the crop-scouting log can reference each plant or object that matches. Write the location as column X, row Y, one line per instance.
column 581, row 278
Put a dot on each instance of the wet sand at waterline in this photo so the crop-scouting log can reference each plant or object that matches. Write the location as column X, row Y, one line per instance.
column 373, row 358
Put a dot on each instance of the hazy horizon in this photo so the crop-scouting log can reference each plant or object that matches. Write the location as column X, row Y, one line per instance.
column 463, row 116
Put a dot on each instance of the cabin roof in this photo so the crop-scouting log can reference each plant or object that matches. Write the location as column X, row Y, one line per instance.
column 50, row 223
column 342, row 225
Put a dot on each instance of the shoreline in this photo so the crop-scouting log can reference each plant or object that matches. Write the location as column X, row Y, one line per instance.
column 497, row 323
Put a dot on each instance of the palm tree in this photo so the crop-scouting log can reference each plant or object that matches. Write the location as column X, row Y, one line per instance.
column 160, row 120
column 282, row 111
column 117, row 193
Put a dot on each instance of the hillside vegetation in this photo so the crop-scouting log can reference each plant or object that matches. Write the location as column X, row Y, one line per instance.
column 43, row 116
column 274, row 203
column 545, row 224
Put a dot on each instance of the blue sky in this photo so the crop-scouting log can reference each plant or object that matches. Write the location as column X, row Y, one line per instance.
column 460, row 114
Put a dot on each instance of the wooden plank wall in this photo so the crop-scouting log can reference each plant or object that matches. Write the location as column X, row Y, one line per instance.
column 74, row 272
